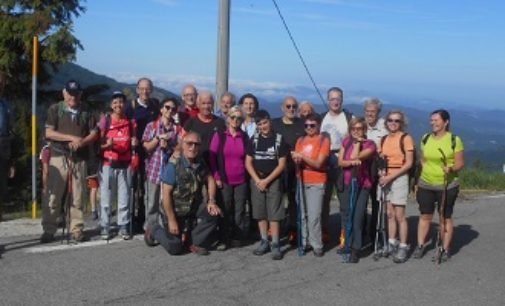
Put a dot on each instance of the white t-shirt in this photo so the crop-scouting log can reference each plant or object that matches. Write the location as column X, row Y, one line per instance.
column 336, row 127
column 377, row 132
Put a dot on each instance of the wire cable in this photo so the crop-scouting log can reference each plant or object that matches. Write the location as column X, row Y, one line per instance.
column 299, row 53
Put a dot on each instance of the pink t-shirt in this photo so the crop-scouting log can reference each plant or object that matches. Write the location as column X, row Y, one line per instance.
column 365, row 180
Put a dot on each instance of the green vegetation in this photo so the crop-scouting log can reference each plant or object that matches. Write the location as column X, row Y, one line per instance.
column 481, row 179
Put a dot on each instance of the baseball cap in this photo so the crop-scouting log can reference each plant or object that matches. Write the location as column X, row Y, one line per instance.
column 73, row 87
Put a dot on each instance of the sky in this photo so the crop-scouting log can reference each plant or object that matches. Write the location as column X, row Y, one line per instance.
column 449, row 52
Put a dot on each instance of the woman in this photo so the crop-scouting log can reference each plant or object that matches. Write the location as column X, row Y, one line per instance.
column 159, row 141
column 250, row 105
column 397, row 148
column 117, row 139
column 310, row 155
column 355, row 159
column 305, row 108
column 227, row 162
column 438, row 173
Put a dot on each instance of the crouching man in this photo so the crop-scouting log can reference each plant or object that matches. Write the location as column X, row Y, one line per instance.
column 186, row 219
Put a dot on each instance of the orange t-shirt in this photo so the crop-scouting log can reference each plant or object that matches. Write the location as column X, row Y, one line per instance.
column 391, row 149
column 313, row 147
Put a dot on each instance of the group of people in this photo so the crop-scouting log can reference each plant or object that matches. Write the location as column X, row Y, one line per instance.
column 189, row 175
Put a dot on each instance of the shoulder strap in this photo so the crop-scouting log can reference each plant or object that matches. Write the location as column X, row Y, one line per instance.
column 402, row 144
column 278, row 139
column 453, row 142
column 425, row 138
column 348, row 115
column 383, row 139
column 255, row 140
column 134, row 104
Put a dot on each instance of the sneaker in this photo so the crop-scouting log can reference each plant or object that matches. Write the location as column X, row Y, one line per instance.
column 149, row 238
column 292, row 236
column 390, row 250
column 221, row 246
column 276, row 251
column 445, row 256
column 106, row 235
column 419, row 252
column 79, row 236
column 198, row 250
column 318, row 252
column 94, row 215
column 263, row 248
column 46, row 238
column 123, row 232
column 401, row 254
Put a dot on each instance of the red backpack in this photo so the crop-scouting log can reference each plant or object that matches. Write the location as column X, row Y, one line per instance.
column 119, row 156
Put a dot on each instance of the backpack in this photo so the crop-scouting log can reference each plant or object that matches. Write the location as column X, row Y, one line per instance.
column 83, row 115
column 278, row 140
column 425, row 138
column 118, row 159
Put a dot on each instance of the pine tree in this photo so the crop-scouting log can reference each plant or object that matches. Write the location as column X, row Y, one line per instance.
column 20, row 20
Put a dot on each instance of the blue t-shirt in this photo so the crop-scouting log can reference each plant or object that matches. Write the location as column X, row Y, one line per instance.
column 168, row 172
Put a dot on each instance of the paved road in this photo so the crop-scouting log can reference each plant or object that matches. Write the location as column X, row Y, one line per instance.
column 129, row 273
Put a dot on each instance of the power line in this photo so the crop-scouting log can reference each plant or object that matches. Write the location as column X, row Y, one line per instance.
column 299, row 53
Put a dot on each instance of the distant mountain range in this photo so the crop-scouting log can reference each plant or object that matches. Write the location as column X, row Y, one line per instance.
column 482, row 130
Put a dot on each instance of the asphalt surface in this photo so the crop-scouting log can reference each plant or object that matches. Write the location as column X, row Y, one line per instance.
column 130, row 273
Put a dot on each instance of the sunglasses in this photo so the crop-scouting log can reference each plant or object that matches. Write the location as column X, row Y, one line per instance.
column 235, row 118
column 291, row 106
column 192, row 143
column 357, row 128
column 310, row 125
column 394, row 120
column 169, row 108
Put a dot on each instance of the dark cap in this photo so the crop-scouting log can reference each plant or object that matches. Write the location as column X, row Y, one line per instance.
column 261, row 115
column 73, row 87
column 118, row 94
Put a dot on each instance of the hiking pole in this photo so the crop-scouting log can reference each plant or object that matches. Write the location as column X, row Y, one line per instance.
column 350, row 218
column 68, row 198
column 380, row 227
column 300, row 205
column 134, row 169
column 441, row 214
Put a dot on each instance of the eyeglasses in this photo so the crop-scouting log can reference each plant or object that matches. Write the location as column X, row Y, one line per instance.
column 310, row 125
column 356, row 128
column 188, row 94
column 335, row 99
column 291, row 106
column 169, row 108
column 235, row 118
column 192, row 143
column 394, row 120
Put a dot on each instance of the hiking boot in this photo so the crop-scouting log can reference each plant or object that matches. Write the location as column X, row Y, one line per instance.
column 221, row 246
column 276, row 251
column 445, row 256
column 46, row 238
column 105, row 234
column 353, row 257
column 263, row 248
column 292, row 236
column 94, row 215
column 149, row 238
column 125, row 235
column 401, row 254
column 390, row 250
column 419, row 252
column 79, row 237
column 318, row 252
column 198, row 250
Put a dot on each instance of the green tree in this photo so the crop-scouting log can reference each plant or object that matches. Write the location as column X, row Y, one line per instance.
column 20, row 20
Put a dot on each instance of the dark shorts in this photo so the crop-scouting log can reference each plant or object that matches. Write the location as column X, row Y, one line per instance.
column 427, row 200
column 267, row 205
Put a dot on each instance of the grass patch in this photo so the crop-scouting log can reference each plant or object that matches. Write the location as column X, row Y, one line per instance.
column 479, row 179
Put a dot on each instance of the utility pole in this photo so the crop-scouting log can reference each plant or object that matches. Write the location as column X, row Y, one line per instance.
column 223, row 50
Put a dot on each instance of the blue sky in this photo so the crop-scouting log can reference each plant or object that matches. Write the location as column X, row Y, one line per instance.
column 452, row 52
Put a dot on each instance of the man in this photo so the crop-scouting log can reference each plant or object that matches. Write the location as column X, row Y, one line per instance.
column 187, row 218
column 143, row 110
column 188, row 108
column 306, row 108
column 6, row 162
column 335, row 124
column 265, row 162
column 70, row 127
column 291, row 128
column 227, row 101
column 205, row 123
column 376, row 129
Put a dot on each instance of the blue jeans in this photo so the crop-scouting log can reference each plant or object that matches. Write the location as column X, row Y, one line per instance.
column 114, row 180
